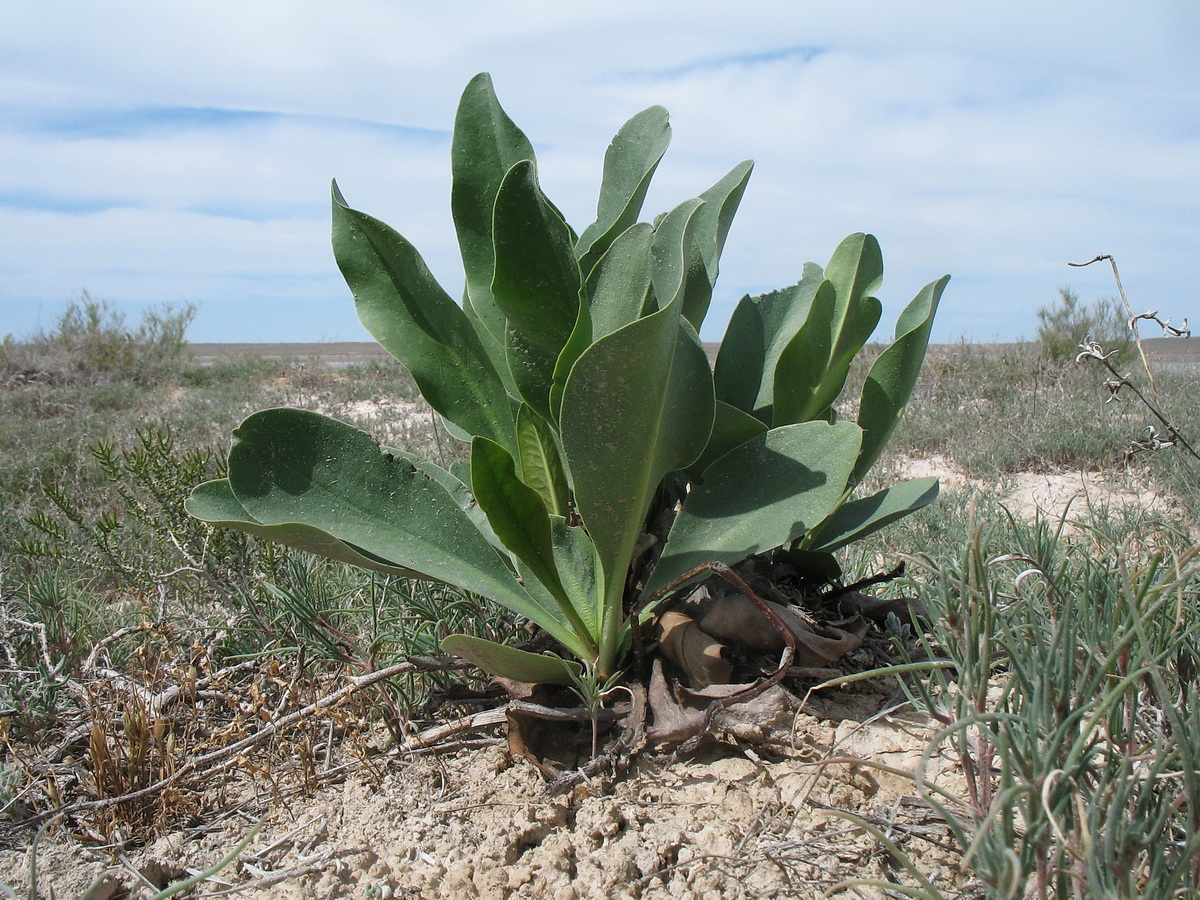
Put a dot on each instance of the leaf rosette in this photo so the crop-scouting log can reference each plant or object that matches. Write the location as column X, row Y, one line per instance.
column 597, row 426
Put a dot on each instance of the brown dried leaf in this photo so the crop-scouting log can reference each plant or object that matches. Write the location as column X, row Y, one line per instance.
column 734, row 618
column 672, row 720
column 704, row 660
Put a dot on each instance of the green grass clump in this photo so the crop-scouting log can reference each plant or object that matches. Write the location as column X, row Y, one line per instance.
column 1072, row 707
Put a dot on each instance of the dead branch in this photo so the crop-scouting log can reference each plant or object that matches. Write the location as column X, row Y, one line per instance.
column 225, row 755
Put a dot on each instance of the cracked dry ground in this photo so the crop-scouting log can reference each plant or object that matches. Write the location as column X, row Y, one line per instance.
column 751, row 815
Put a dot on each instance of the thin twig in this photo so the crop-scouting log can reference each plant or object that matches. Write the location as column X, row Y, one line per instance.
column 1137, row 338
column 270, row 729
column 883, row 578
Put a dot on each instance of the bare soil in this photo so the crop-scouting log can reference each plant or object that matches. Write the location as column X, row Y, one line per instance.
column 741, row 818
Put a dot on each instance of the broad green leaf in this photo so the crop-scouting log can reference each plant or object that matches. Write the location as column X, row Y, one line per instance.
column 697, row 291
column 629, row 166
column 712, row 223
column 512, row 663
column 214, row 502
column 814, row 565
column 731, row 428
column 802, row 367
column 581, row 571
column 677, row 270
column 536, row 279
column 532, row 371
column 492, row 337
column 458, row 490
column 858, row 518
column 622, row 435
column 486, row 145
column 741, row 364
column 291, row 466
column 541, row 461
column 638, row 404
column 892, row 377
column 855, row 270
column 518, row 516
column 581, row 338
column 536, row 285
column 461, row 469
column 721, row 202
column 672, row 260
column 761, row 495
column 619, row 283
column 404, row 308
column 759, row 330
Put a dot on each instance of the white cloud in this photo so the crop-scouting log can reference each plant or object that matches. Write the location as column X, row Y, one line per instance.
column 996, row 142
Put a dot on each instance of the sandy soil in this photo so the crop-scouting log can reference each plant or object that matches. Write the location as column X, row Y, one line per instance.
column 739, row 819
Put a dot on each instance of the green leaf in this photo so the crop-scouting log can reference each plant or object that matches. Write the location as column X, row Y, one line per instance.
column 731, row 428
column 712, row 223
column 892, row 377
column 536, row 285
column 519, row 518
column 492, row 338
column 511, row 663
column 581, row 571
column 814, row 565
column 486, row 145
column 291, row 466
column 858, row 518
column 401, row 304
column 629, row 166
column 622, row 435
column 721, row 202
column 672, row 260
column 759, row 330
column 541, row 461
column 214, row 502
column 532, row 371
column 619, row 283
column 536, row 280
column 855, row 270
column 638, row 405
column 759, row 496
column 802, row 368
column 458, row 491
column 581, row 338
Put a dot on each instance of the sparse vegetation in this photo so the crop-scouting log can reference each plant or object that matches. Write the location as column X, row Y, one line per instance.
column 1067, row 323
column 289, row 644
column 1071, row 706
column 91, row 342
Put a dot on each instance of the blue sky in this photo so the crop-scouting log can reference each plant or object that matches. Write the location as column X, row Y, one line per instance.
column 182, row 152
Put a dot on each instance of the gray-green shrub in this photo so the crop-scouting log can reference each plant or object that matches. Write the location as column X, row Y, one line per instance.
column 1067, row 323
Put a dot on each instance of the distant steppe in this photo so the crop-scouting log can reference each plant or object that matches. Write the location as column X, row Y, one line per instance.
column 1168, row 352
